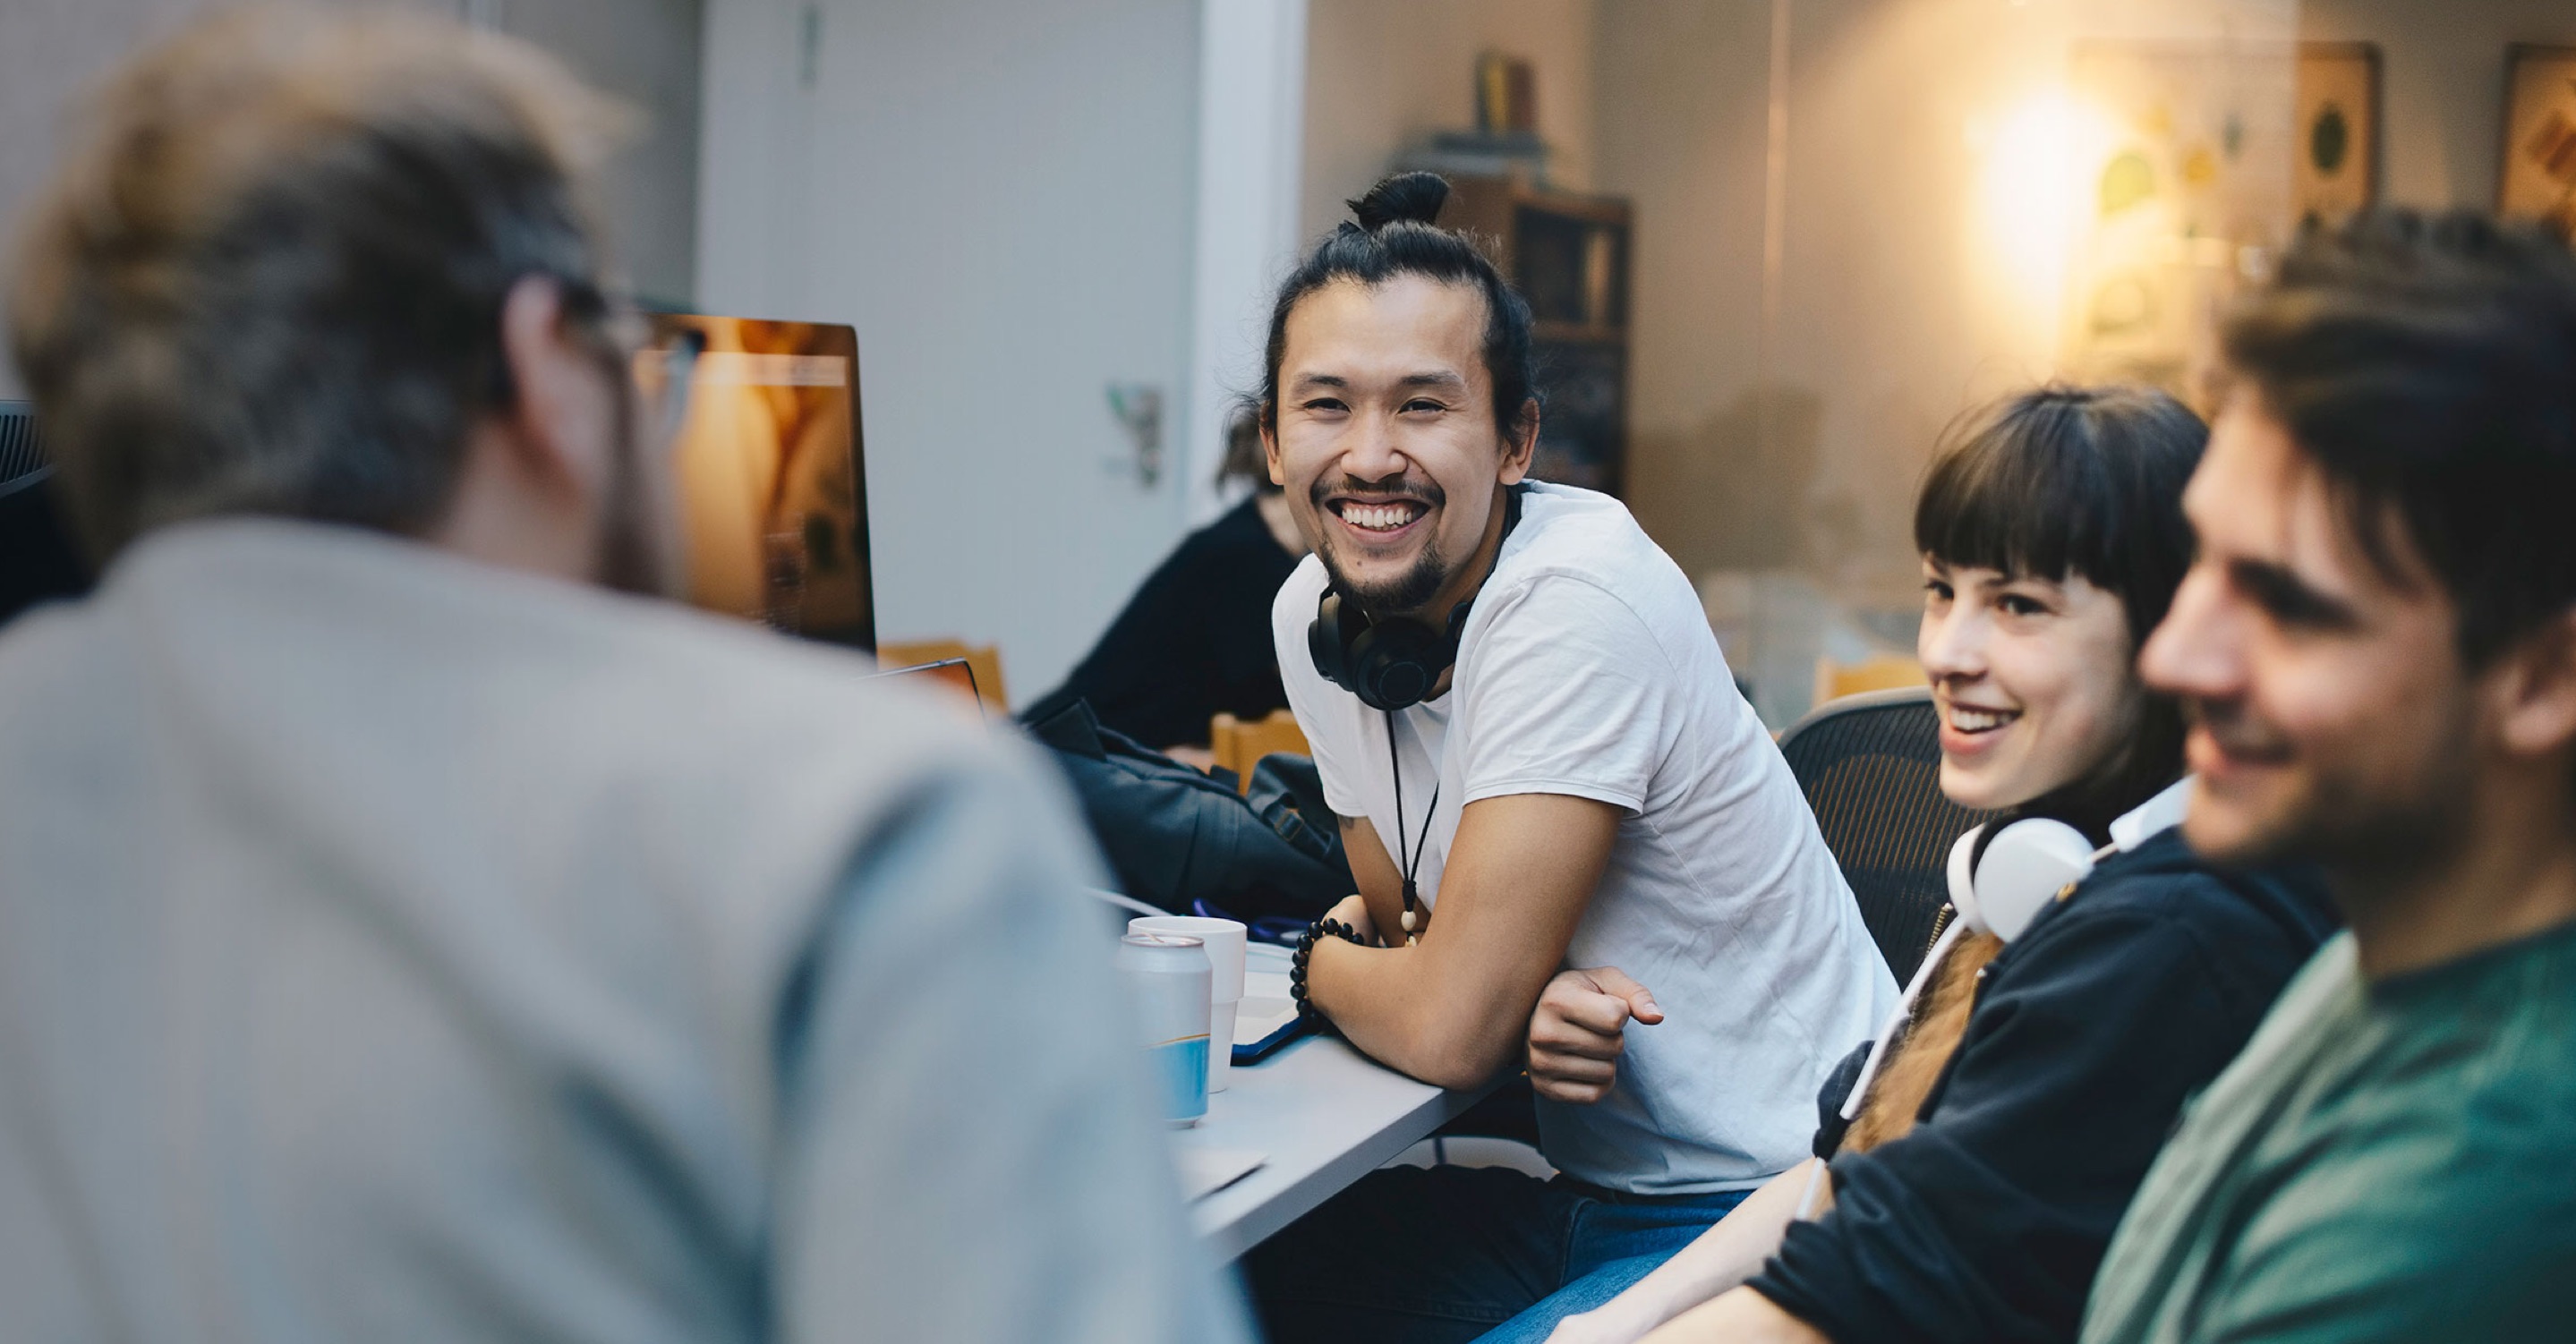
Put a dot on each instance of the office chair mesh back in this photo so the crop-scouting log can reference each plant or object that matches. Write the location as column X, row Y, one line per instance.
column 1870, row 766
column 22, row 453
column 38, row 561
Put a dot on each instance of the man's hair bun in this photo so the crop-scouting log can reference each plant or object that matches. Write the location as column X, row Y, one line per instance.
column 1405, row 196
column 1393, row 233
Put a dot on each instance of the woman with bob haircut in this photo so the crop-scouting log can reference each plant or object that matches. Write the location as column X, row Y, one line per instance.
column 1979, row 1183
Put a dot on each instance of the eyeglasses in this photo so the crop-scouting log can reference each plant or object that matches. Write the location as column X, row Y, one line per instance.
column 666, row 396
column 663, row 375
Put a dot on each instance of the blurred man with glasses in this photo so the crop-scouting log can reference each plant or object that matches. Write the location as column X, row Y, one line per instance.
column 404, row 933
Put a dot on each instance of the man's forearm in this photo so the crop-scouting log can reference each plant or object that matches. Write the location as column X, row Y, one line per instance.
column 1389, row 1003
column 1381, row 887
column 1455, row 1009
column 1373, row 994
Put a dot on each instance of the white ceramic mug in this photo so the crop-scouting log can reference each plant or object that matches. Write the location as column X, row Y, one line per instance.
column 1224, row 941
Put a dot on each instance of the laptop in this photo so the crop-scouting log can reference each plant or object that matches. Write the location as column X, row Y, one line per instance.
column 953, row 675
column 766, row 455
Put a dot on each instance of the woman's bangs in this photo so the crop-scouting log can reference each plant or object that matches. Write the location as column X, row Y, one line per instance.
column 2012, row 501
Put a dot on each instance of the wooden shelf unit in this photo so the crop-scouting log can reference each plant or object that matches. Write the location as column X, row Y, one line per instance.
column 1570, row 256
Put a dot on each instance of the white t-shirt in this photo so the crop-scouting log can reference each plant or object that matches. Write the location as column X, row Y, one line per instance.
column 1586, row 668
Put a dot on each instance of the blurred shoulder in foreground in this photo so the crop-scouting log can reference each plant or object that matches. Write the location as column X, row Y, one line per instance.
column 401, row 935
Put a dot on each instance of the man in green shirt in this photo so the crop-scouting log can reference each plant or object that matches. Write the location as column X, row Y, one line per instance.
column 2377, row 645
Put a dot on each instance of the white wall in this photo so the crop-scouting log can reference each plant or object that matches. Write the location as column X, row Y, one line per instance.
column 1380, row 76
column 1251, row 125
column 999, row 195
column 51, row 53
column 645, row 51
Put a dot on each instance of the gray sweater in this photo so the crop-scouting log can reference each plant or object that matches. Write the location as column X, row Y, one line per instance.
column 393, row 947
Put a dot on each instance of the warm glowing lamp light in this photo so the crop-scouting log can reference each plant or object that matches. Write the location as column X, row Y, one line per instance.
column 2034, row 188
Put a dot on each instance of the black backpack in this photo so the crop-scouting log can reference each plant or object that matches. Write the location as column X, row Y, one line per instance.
column 1186, row 842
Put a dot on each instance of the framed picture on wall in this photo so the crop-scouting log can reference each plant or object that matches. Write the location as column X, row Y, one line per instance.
column 2538, row 176
column 2192, row 173
column 2335, row 156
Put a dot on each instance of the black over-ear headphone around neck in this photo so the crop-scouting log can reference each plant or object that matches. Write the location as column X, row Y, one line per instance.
column 1389, row 664
column 1393, row 663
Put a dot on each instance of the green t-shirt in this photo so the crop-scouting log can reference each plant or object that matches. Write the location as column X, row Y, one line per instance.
column 2383, row 1162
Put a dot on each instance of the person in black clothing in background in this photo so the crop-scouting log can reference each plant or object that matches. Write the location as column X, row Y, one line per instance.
column 2002, row 1140
column 1194, row 641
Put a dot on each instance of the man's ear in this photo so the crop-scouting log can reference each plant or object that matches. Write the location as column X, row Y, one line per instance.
column 1522, row 445
column 2535, row 689
column 1270, row 445
column 557, row 421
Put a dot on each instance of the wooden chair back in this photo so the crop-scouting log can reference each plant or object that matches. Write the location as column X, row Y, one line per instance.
column 1238, row 746
column 985, row 659
column 1884, row 672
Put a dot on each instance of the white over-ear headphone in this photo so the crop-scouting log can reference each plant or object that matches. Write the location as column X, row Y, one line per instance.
column 2000, row 892
column 2029, row 862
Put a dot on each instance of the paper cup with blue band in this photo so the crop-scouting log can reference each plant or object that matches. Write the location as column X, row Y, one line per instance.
column 1225, row 945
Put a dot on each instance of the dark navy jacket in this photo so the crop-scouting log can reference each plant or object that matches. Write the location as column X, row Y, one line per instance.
column 1193, row 641
column 1988, row 1220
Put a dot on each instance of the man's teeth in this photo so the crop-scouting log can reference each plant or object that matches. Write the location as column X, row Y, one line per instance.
column 1978, row 720
column 1377, row 517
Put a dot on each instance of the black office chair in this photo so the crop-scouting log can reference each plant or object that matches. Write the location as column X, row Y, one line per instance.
column 1870, row 766
column 37, row 559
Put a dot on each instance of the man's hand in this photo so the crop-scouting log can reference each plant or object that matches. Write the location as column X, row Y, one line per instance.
column 1595, row 1327
column 1609, row 1323
column 1578, row 1030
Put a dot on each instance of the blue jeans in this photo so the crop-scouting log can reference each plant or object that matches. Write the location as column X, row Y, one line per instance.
column 1450, row 1253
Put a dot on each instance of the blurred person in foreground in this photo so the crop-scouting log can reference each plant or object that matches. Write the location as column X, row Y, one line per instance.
column 2377, row 648
column 1194, row 642
column 400, row 936
column 1987, row 1165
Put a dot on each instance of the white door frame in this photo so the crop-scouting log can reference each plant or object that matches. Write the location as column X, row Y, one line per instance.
column 1252, row 109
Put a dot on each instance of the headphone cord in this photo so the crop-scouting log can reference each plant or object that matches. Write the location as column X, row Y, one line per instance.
column 1408, row 866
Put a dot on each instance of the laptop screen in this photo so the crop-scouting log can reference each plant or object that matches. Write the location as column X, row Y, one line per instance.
column 771, row 476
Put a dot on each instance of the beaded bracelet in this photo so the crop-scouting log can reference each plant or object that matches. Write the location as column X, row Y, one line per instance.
column 1306, row 1009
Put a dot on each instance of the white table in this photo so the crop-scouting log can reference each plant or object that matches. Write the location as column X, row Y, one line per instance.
column 1323, row 1115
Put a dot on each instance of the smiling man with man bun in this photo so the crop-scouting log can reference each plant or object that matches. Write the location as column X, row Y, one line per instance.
column 1540, row 761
